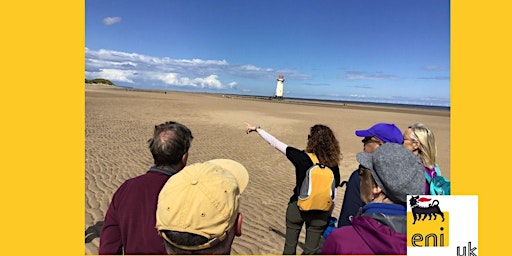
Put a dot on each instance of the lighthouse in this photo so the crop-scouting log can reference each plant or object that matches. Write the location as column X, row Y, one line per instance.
column 280, row 87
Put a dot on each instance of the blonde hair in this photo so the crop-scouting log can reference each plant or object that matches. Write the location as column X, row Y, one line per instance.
column 428, row 148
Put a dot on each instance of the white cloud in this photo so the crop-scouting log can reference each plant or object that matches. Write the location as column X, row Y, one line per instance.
column 111, row 20
column 170, row 78
column 143, row 70
column 436, row 68
column 198, row 62
column 357, row 75
column 210, row 81
column 113, row 74
column 250, row 68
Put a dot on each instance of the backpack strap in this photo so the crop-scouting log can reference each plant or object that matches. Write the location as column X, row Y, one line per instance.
column 438, row 171
column 313, row 158
column 429, row 179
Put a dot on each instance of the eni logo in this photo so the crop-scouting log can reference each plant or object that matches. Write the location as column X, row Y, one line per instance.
column 431, row 209
column 427, row 224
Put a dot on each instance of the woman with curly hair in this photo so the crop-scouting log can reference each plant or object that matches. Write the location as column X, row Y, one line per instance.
column 323, row 143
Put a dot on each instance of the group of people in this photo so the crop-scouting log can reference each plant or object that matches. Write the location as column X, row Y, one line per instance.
column 373, row 213
column 175, row 208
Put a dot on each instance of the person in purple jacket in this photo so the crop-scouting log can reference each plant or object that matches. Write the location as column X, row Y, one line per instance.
column 129, row 224
column 387, row 176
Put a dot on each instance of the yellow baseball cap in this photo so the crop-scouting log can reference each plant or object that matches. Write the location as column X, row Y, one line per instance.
column 202, row 199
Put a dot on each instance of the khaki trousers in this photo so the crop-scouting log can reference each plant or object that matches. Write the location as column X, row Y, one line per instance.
column 316, row 223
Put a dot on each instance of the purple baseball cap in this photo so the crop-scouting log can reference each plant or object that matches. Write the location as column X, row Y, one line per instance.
column 384, row 131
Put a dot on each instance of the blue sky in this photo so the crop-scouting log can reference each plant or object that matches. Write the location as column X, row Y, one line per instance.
column 393, row 51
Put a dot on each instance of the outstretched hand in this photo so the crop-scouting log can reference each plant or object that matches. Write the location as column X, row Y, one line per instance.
column 249, row 128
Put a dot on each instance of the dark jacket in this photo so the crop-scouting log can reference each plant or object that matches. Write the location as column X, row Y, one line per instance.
column 129, row 225
column 381, row 229
column 351, row 200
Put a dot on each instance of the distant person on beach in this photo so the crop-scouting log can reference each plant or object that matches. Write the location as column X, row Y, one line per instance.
column 421, row 141
column 129, row 225
column 388, row 175
column 198, row 208
column 322, row 142
column 373, row 137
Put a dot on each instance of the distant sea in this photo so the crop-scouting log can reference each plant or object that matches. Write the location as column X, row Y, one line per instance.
column 381, row 104
column 394, row 103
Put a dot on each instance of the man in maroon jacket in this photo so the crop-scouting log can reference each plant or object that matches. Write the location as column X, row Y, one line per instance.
column 129, row 225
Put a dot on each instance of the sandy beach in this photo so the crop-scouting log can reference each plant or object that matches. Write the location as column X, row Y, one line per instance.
column 119, row 122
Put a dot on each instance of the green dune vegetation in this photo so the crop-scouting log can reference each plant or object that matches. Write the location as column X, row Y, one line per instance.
column 99, row 81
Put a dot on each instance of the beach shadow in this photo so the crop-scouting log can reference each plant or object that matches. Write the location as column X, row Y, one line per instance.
column 93, row 231
column 301, row 244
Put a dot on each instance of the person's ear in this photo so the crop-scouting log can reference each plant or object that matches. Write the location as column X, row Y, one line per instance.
column 184, row 158
column 416, row 145
column 238, row 225
column 376, row 191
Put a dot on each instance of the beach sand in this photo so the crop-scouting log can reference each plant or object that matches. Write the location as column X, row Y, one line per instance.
column 120, row 121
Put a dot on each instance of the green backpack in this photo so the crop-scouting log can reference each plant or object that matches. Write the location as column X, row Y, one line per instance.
column 439, row 185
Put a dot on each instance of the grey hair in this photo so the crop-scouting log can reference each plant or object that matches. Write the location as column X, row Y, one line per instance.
column 170, row 141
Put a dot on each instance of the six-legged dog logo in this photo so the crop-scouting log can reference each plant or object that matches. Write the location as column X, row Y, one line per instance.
column 427, row 232
column 418, row 210
column 442, row 225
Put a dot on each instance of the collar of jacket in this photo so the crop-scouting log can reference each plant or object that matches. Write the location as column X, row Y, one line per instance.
column 160, row 170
